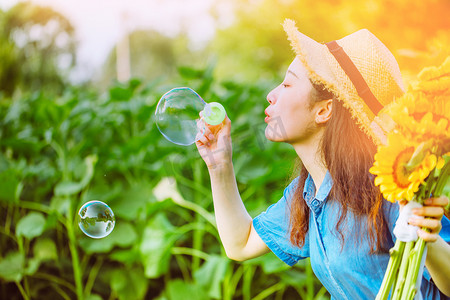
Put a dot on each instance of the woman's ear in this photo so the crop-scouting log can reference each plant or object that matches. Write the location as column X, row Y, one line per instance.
column 323, row 113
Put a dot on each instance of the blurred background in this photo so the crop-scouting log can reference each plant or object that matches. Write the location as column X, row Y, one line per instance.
column 79, row 84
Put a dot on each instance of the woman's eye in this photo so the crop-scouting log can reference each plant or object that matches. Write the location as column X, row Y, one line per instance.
column 284, row 85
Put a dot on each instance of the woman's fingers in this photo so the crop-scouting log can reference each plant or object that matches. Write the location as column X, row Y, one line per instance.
column 438, row 201
column 434, row 207
column 426, row 236
column 429, row 211
column 432, row 214
column 205, row 139
column 432, row 224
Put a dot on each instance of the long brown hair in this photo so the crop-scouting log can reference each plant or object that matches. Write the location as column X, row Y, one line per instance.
column 348, row 154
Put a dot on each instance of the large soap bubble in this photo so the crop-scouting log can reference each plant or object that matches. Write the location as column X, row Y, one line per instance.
column 96, row 219
column 178, row 114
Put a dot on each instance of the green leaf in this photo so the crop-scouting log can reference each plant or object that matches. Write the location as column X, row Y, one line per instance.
column 60, row 204
column 9, row 184
column 157, row 240
column 190, row 73
column 127, row 256
column 45, row 249
column 129, row 284
column 120, row 93
column 93, row 297
column 67, row 188
column 211, row 275
column 123, row 235
column 132, row 201
column 51, row 222
column 11, row 267
column 177, row 289
column 269, row 263
column 32, row 266
column 31, row 226
column 250, row 168
column 294, row 277
column 419, row 154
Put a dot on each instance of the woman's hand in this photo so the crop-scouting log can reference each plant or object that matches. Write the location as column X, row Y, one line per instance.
column 214, row 145
column 432, row 213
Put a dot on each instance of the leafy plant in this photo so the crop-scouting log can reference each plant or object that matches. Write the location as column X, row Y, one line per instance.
column 59, row 153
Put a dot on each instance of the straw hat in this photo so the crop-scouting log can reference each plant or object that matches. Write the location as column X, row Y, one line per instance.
column 364, row 90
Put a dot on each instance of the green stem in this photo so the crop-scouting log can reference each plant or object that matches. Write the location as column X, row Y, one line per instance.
column 196, row 208
column 61, row 292
column 310, row 280
column 235, row 279
column 228, row 291
column 391, row 270
column 183, row 267
column 414, row 265
column 74, row 253
column 321, row 293
column 8, row 221
column 274, row 288
column 402, row 272
column 54, row 279
column 8, row 234
column 190, row 251
column 442, row 180
column 198, row 233
column 433, row 187
column 249, row 270
column 92, row 275
column 22, row 291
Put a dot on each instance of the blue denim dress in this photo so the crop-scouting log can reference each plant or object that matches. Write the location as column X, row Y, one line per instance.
column 347, row 271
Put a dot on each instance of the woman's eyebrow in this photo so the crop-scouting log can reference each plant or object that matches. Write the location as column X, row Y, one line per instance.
column 289, row 71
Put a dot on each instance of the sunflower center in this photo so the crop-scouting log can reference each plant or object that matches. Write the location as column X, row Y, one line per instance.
column 401, row 174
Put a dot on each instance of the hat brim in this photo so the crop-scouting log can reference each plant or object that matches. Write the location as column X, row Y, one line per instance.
column 323, row 69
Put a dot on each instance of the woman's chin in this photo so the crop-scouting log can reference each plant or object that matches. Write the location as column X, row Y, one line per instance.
column 271, row 135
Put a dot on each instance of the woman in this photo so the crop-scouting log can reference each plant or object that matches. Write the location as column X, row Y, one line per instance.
column 327, row 109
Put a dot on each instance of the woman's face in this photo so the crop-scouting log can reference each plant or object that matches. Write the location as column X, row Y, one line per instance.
column 290, row 117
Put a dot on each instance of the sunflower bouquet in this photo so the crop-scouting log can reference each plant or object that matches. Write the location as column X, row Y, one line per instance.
column 412, row 166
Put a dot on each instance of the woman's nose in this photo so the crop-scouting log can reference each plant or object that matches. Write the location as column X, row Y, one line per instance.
column 271, row 97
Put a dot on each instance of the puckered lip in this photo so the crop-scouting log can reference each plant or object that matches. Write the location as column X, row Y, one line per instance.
column 267, row 116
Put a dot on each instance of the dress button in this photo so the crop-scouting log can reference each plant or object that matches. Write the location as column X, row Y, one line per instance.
column 315, row 203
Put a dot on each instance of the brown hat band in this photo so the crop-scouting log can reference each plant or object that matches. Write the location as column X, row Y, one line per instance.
column 355, row 76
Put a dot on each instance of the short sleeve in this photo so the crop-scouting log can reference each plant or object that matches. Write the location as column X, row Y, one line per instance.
column 445, row 230
column 273, row 228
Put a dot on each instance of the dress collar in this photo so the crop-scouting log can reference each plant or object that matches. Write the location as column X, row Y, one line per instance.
column 309, row 191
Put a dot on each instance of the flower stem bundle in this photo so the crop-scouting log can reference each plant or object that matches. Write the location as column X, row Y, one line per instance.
column 413, row 166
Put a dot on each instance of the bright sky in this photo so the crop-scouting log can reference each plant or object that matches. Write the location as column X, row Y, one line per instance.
column 100, row 23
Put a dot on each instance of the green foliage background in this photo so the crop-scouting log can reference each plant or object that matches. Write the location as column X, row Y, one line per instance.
column 63, row 145
column 57, row 153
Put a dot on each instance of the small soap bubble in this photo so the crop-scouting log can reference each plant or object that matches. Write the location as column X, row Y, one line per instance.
column 96, row 219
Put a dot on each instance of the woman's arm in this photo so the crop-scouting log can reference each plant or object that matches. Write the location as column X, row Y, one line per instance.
column 438, row 256
column 239, row 238
column 234, row 224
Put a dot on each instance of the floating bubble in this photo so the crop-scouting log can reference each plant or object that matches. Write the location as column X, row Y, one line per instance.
column 178, row 114
column 96, row 219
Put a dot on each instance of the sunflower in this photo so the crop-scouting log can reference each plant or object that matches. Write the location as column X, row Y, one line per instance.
column 435, row 80
column 415, row 106
column 423, row 113
column 395, row 176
